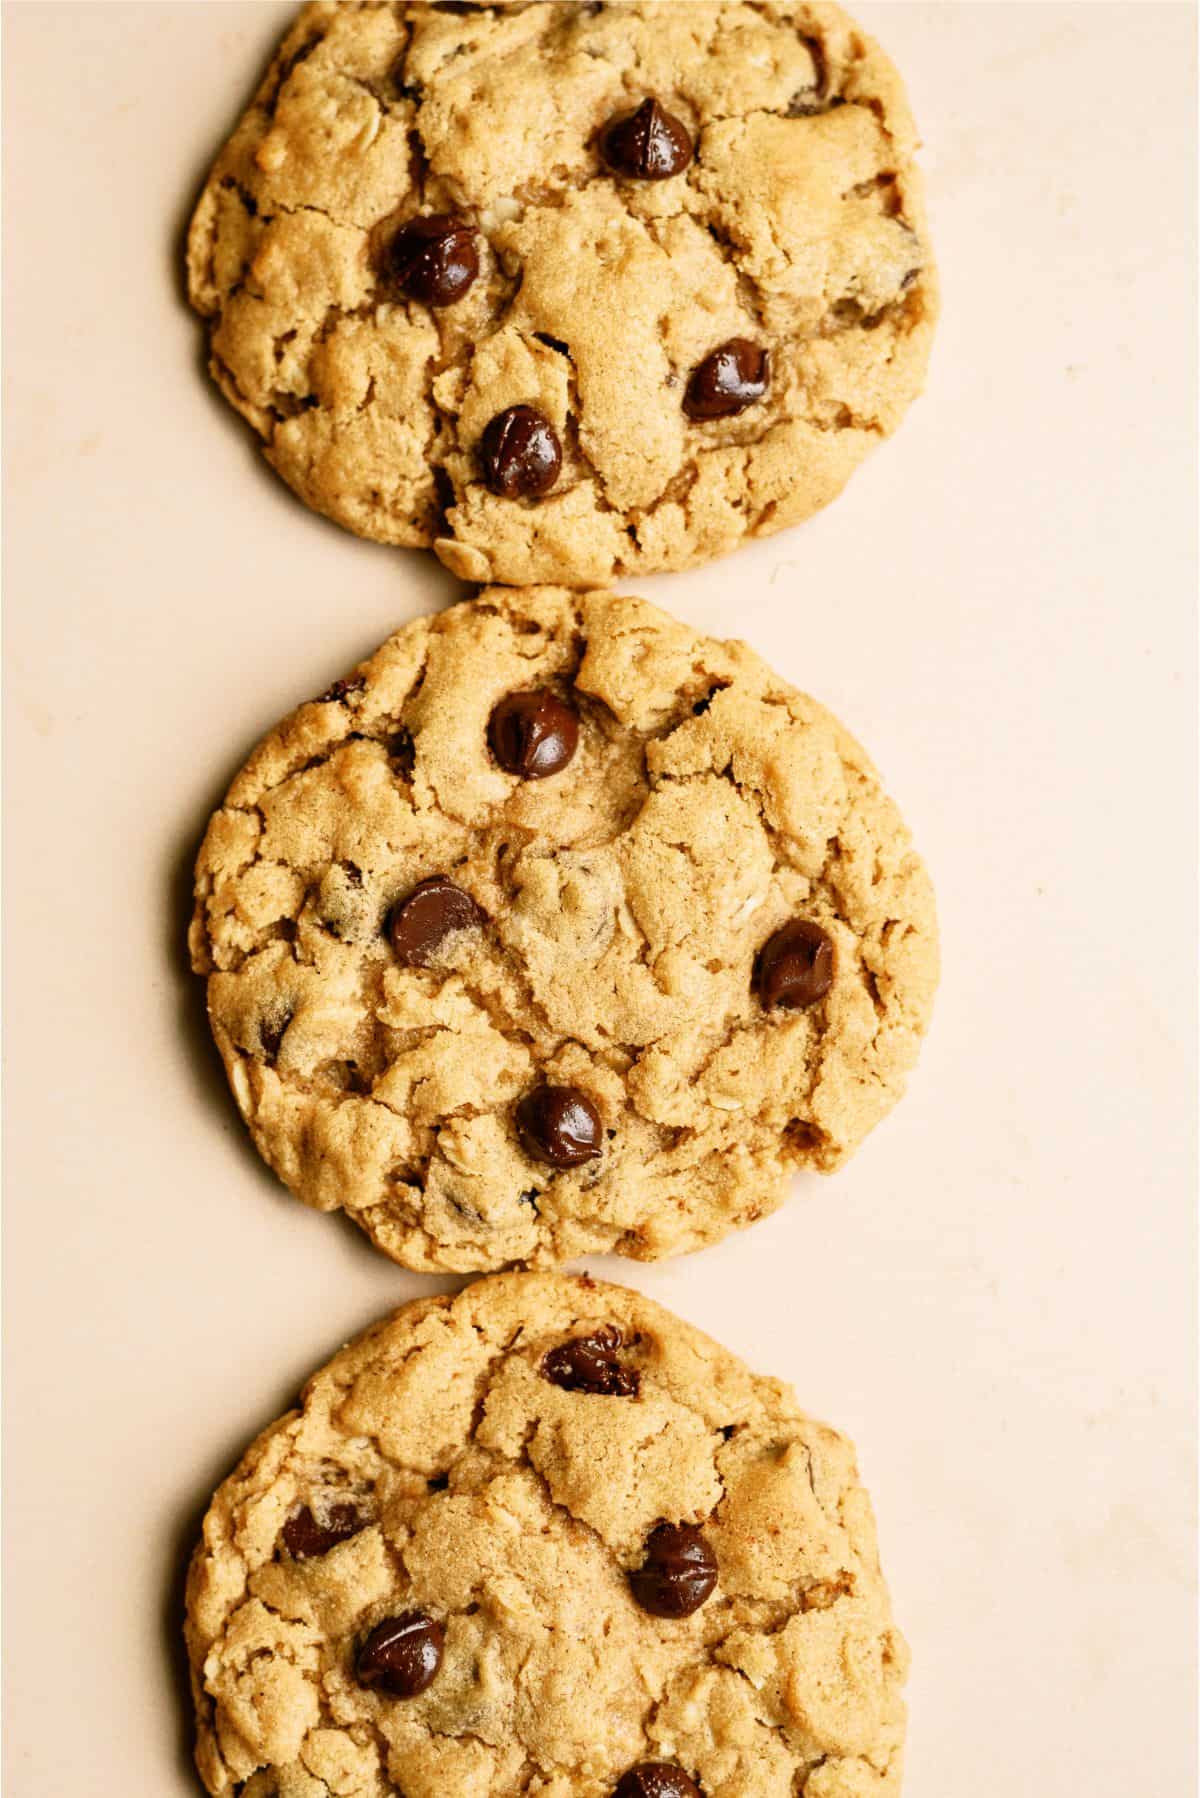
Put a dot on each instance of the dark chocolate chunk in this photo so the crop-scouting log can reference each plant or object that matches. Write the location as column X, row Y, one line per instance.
column 795, row 966
column 656, row 1779
column 434, row 259
column 650, row 144
column 402, row 1654
column 730, row 378
column 521, row 454
column 420, row 924
column 678, row 1574
column 590, row 1364
column 303, row 1536
column 560, row 1125
column 533, row 734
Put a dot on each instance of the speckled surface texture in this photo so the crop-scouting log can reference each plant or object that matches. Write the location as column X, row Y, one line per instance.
column 798, row 224
column 511, row 1512
column 621, row 904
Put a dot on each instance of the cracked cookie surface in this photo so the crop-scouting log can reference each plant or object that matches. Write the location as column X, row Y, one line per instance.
column 412, row 953
column 795, row 227
column 443, row 1468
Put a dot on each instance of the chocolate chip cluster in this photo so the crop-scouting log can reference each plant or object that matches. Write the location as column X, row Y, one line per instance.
column 435, row 259
column 534, row 735
column 401, row 1655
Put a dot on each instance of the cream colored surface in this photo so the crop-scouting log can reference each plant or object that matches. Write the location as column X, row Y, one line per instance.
column 993, row 1300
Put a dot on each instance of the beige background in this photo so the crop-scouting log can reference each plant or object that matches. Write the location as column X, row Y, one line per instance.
column 995, row 1299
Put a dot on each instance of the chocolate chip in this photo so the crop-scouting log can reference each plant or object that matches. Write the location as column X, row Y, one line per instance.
column 559, row 1124
column 533, row 734
column 304, row 1536
column 650, row 144
column 402, row 1654
column 678, row 1574
column 732, row 377
column 420, row 924
column 656, row 1779
column 590, row 1364
column 271, row 1032
column 522, row 457
column 434, row 259
column 341, row 689
column 795, row 966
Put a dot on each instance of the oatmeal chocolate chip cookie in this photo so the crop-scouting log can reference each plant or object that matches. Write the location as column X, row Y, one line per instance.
column 475, row 1562
column 569, row 291
column 559, row 928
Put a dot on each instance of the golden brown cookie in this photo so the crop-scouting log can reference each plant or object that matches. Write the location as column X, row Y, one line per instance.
column 569, row 291
column 560, row 928
column 544, row 1538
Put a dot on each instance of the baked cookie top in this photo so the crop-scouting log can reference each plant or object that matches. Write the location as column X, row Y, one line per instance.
column 569, row 291
column 544, row 1538
column 559, row 928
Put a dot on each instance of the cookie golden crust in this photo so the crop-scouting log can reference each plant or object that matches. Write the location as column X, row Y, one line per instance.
column 413, row 953
column 769, row 200
column 465, row 1472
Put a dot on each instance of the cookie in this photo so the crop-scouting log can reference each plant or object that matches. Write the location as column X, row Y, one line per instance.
column 544, row 1538
column 559, row 928
column 569, row 291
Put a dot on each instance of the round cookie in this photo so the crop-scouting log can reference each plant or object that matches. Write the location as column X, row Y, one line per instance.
column 559, row 928
column 544, row 1538
column 569, row 291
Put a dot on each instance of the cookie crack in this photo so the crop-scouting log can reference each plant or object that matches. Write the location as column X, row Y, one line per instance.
column 400, row 99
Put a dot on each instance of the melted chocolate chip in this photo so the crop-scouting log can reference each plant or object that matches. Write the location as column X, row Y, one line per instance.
column 521, row 454
column 434, row 259
column 402, row 1654
column 795, row 966
column 730, row 378
column 560, row 1125
column 590, row 1364
column 420, row 924
column 650, row 144
column 678, row 1574
column 656, row 1779
column 303, row 1536
column 533, row 734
